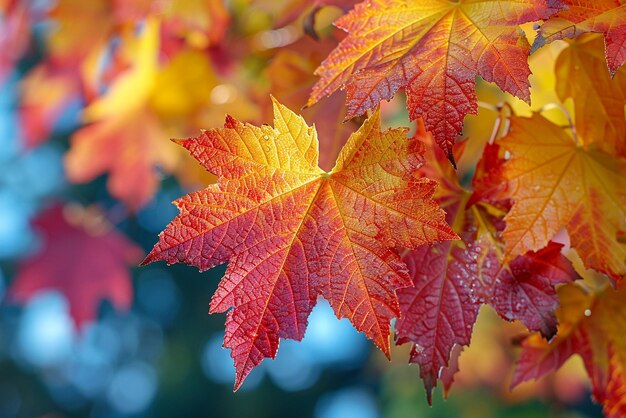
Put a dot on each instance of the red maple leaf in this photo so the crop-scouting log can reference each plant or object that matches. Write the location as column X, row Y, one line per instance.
column 85, row 263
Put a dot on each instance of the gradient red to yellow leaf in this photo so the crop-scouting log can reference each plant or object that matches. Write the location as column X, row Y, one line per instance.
column 291, row 231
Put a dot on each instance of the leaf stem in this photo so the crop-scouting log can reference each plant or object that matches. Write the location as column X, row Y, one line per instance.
column 499, row 109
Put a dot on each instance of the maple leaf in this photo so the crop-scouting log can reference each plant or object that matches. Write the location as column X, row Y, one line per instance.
column 292, row 231
column 592, row 326
column 85, row 261
column 580, row 16
column 453, row 279
column 598, row 98
column 555, row 183
column 434, row 50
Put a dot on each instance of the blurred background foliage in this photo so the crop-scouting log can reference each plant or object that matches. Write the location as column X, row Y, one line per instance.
column 91, row 91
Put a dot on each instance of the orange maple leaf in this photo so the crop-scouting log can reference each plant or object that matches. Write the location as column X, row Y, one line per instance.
column 292, row 231
column 580, row 16
column 598, row 98
column 556, row 183
column 434, row 50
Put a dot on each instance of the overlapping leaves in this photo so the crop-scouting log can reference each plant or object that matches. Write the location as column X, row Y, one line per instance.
column 292, row 232
column 556, row 183
column 592, row 326
column 453, row 279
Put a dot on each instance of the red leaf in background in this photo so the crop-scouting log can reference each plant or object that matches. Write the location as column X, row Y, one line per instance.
column 538, row 358
column 86, row 264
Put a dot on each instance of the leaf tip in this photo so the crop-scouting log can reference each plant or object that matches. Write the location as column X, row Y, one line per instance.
column 429, row 385
column 150, row 258
column 238, row 382
column 384, row 347
column 451, row 159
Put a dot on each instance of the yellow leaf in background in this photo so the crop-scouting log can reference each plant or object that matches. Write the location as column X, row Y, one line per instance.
column 183, row 84
column 131, row 89
column 147, row 104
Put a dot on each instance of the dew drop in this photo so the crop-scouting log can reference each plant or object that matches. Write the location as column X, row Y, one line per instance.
column 587, row 312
